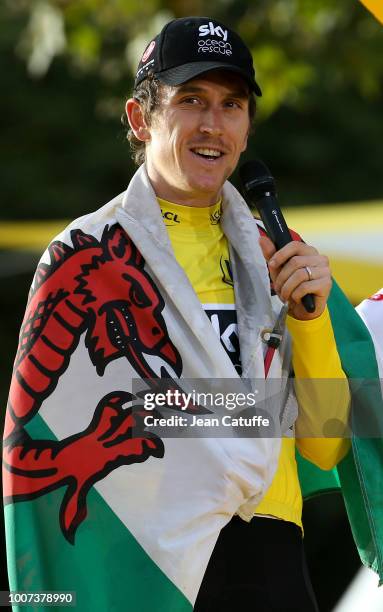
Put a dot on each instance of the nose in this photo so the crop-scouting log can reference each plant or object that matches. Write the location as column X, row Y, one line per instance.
column 211, row 122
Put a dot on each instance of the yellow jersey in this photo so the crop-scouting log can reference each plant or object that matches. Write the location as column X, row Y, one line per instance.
column 201, row 248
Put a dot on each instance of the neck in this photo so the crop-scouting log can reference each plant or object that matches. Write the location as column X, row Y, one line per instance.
column 197, row 199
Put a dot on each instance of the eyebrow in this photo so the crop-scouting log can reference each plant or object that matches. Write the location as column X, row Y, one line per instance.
column 235, row 93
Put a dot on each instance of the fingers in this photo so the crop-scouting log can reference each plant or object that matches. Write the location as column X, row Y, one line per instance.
column 290, row 250
column 295, row 273
column 320, row 288
column 296, row 270
column 268, row 248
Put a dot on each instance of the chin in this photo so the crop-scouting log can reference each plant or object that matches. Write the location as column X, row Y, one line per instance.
column 208, row 185
column 208, row 191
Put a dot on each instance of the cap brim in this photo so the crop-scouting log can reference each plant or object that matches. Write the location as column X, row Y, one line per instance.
column 182, row 74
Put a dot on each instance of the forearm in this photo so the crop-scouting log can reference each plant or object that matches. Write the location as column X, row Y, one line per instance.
column 322, row 391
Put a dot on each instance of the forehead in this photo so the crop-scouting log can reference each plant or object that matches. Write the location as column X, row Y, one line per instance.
column 224, row 81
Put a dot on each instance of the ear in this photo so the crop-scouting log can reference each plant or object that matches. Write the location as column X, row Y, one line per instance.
column 136, row 120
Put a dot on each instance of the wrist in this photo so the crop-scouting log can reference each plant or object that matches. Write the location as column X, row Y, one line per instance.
column 308, row 325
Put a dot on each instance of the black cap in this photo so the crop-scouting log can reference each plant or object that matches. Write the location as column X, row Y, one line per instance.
column 188, row 47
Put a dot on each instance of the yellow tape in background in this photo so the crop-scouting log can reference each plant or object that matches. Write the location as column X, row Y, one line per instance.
column 352, row 236
column 375, row 7
column 29, row 235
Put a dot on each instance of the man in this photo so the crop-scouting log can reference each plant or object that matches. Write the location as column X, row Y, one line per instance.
column 193, row 139
column 118, row 296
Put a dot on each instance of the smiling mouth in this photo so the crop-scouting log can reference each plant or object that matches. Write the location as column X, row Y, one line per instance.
column 207, row 153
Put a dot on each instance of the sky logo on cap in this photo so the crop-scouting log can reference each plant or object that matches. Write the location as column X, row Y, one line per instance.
column 206, row 29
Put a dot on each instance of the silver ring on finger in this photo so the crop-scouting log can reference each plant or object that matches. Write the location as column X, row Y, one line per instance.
column 309, row 272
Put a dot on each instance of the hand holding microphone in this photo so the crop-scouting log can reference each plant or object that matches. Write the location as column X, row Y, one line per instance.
column 301, row 276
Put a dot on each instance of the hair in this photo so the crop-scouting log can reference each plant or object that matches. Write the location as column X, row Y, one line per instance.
column 148, row 95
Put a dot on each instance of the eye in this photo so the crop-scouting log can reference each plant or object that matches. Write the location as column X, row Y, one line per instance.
column 137, row 296
column 233, row 104
column 190, row 100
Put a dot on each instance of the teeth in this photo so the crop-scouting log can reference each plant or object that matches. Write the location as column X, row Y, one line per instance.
column 156, row 364
column 209, row 152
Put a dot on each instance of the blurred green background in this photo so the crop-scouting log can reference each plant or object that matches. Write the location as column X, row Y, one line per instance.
column 66, row 69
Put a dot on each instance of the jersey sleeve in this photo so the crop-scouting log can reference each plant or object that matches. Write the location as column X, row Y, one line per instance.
column 321, row 387
column 322, row 391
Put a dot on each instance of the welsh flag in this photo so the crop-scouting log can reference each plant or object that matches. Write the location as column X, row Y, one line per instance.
column 53, row 546
column 95, row 503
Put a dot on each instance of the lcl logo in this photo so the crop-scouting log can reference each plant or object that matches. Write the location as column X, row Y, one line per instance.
column 169, row 216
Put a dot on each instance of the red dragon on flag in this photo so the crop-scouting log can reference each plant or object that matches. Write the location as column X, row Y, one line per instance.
column 98, row 288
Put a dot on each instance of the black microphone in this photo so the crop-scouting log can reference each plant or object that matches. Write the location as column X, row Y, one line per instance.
column 259, row 189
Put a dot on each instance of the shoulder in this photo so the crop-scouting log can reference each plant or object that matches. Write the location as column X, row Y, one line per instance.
column 84, row 233
column 93, row 223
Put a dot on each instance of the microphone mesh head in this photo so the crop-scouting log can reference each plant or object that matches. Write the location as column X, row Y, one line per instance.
column 257, row 178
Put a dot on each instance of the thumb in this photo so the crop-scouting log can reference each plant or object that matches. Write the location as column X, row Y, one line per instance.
column 268, row 248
